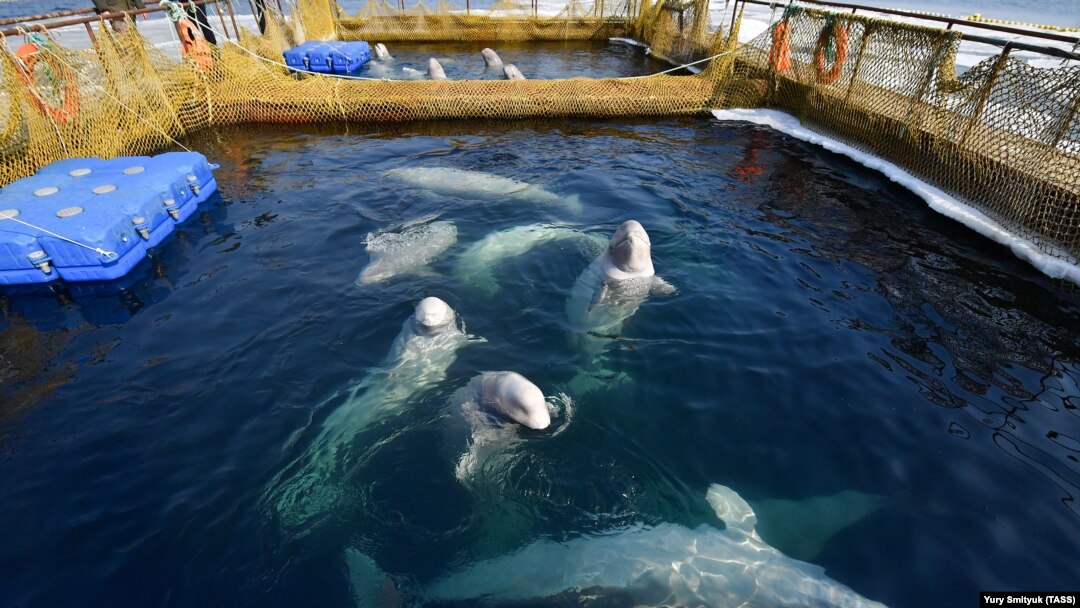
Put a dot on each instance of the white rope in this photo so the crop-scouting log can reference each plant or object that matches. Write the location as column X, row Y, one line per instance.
column 289, row 67
column 122, row 104
column 678, row 67
column 98, row 250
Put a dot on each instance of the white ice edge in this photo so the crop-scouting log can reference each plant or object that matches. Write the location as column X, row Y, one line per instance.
column 937, row 200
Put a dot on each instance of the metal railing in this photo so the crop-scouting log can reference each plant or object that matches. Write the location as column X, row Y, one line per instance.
column 1007, row 45
column 88, row 16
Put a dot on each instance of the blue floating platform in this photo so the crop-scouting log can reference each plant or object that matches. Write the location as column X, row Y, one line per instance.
column 328, row 57
column 88, row 219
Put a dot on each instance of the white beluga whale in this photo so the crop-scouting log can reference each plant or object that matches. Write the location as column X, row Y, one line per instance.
column 435, row 70
column 611, row 290
column 662, row 565
column 495, row 405
column 476, row 265
column 491, row 58
column 510, row 396
column 512, row 73
column 381, row 52
column 406, row 249
column 423, row 350
column 478, row 185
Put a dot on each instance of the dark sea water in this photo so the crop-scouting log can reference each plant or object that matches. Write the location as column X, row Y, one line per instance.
column 829, row 333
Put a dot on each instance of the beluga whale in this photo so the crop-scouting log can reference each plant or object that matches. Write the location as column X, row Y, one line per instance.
column 652, row 566
column 491, row 58
column 435, row 70
column 478, row 185
column 381, row 52
column 612, row 289
column 476, row 265
column 406, row 248
column 496, row 405
column 427, row 345
column 512, row 73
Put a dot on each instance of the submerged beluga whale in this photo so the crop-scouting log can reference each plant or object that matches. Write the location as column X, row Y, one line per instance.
column 476, row 266
column 423, row 350
column 662, row 565
column 478, row 185
column 612, row 289
column 406, row 249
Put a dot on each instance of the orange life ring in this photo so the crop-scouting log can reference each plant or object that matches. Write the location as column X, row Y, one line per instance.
column 827, row 74
column 780, row 52
column 194, row 46
column 27, row 55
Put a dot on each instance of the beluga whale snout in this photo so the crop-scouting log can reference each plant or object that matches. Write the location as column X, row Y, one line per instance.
column 630, row 250
column 435, row 70
column 381, row 52
column 432, row 315
column 491, row 58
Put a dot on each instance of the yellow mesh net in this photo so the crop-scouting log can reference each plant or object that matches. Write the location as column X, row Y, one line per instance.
column 1003, row 136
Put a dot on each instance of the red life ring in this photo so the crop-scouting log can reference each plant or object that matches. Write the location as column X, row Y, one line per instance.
column 194, row 46
column 780, row 51
column 827, row 74
column 68, row 111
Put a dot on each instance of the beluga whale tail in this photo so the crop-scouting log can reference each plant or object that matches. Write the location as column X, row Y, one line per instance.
column 653, row 566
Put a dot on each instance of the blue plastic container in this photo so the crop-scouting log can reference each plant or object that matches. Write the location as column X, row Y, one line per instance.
column 329, row 57
column 87, row 219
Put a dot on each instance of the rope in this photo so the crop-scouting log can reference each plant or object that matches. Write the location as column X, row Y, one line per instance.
column 122, row 104
column 678, row 67
column 98, row 250
column 176, row 11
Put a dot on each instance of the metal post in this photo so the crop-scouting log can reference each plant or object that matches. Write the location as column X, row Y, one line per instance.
column 232, row 17
column 224, row 28
column 90, row 31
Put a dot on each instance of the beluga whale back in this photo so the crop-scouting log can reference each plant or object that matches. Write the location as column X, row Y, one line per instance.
column 406, row 249
column 653, row 566
column 478, row 185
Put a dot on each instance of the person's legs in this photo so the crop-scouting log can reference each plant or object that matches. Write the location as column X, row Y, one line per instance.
column 199, row 12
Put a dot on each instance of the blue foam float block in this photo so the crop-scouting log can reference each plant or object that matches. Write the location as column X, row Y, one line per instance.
column 53, row 223
column 328, row 57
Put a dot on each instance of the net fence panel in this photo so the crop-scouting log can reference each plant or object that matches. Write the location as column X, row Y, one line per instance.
column 1003, row 136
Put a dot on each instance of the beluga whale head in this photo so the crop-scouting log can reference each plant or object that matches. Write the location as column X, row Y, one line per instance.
column 491, row 58
column 433, row 315
column 513, row 395
column 630, row 252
